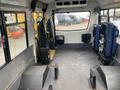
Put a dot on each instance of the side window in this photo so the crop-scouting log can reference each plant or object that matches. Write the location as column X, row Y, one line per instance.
column 104, row 19
column 112, row 15
column 2, row 56
column 115, row 18
column 111, row 12
column 104, row 16
column 16, row 32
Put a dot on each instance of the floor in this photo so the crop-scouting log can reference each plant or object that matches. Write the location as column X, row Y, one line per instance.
column 74, row 68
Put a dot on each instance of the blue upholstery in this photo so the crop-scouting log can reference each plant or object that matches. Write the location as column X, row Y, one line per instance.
column 96, row 35
column 109, row 32
column 115, row 44
column 110, row 44
column 108, row 39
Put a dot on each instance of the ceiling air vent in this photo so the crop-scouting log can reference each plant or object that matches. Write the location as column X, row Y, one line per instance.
column 83, row 2
column 59, row 3
column 75, row 2
column 67, row 3
column 70, row 3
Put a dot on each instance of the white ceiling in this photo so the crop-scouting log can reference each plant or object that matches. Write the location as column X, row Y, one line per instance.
column 15, row 2
column 105, row 2
column 23, row 2
column 47, row 1
column 102, row 2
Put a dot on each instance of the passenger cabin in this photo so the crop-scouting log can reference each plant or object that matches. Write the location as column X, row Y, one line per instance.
column 59, row 44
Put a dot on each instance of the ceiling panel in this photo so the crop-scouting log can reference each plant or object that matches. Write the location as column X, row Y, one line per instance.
column 47, row 1
column 23, row 2
column 105, row 2
column 16, row 2
column 102, row 2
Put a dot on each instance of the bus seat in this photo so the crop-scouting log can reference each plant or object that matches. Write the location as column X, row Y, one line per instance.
column 60, row 39
column 108, row 42
column 96, row 35
column 51, row 37
column 110, row 34
column 42, row 48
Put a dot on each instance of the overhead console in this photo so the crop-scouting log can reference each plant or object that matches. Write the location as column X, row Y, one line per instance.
column 70, row 3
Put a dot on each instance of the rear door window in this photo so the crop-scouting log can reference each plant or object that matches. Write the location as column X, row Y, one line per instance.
column 72, row 21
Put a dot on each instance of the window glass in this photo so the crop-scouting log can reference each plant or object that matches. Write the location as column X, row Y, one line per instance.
column 117, row 12
column 10, row 18
column 104, row 19
column 115, row 21
column 114, row 17
column 17, row 35
column 21, row 17
column 101, row 13
column 72, row 21
column 111, row 12
column 105, row 12
column 2, row 56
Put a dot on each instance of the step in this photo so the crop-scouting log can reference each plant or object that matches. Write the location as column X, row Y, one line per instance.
column 34, row 78
column 110, row 76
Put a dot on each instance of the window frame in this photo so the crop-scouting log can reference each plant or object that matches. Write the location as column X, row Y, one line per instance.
column 109, row 17
column 7, row 49
column 100, row 16
column 26, row 28
column 86, row 29
column 114, row 15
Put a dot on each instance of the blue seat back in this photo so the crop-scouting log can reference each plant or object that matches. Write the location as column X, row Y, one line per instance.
column 110, row 32
column 96, row 35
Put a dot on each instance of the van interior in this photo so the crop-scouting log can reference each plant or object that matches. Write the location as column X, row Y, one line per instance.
column 59, row 44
